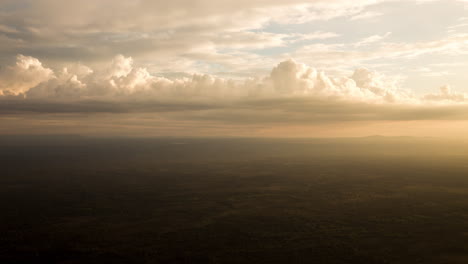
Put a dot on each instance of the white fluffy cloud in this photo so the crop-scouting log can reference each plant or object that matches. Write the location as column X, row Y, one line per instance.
column 121, row 80
column 446, row 94
column 24, row 75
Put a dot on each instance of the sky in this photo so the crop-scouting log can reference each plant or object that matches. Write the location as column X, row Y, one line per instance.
column 249, row 68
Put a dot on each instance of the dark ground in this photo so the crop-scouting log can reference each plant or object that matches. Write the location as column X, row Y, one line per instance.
column 370, row 200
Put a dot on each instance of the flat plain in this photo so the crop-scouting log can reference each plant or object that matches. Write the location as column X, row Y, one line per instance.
column 66, row 199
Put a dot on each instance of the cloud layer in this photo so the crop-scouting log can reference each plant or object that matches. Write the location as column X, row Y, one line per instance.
column 293, row 93
column 29, row 79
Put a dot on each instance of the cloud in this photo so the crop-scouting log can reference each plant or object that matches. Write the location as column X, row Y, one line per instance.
column 120, row 79
column 90, row 30
column 347, row 55
column 318, row 35
column 373, row 39
column 205, row 36
column 446, row 94
column 292, row 93
column 366, row 15
column 122, row 99
column 24, row 75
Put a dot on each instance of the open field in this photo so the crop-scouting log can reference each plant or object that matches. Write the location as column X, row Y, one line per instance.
column 366, row 200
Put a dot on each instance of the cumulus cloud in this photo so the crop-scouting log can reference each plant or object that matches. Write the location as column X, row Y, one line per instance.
column 446, row 94
column 121, row 79
column 291, row 87
column 64, row 85
column 24, row 75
